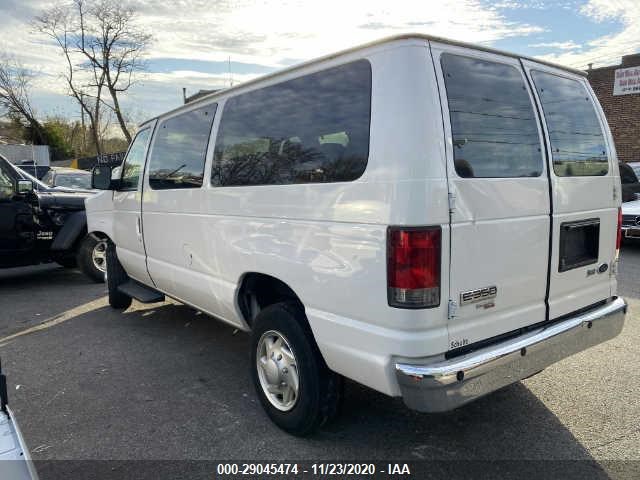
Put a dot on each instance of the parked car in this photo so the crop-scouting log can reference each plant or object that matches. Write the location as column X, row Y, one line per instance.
column 419, row 215
column 630, row 184
column 41, row 224
column 635, row 166
column 68, row 178
column 631, row 219
column 37, row 171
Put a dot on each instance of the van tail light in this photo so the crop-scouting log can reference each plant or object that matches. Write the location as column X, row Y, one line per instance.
column 619, row 234
column 413, row 266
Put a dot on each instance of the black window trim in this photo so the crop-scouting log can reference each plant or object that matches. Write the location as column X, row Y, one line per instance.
column 11, row 171
column 144, row 160
column 225, row 100
column 569, row 76
column 152, row 140
column 495, row 58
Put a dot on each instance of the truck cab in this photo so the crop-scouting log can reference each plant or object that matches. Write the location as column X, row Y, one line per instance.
column 39, row 224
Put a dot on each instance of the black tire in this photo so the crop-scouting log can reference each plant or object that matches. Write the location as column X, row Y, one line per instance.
column 320, row 389
column 84, row 258
column 116, row 276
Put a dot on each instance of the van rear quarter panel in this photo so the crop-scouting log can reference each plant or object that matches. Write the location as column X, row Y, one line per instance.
column 327, row 241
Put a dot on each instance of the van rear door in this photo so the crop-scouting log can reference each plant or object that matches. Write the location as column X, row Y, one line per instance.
column 497, row 177
column 585, row 190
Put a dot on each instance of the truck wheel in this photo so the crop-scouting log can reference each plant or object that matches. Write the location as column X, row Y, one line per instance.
column 116, row 276
column 91, row 258
column 294, row 384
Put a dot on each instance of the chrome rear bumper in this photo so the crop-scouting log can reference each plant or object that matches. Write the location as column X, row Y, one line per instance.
column 442, row 386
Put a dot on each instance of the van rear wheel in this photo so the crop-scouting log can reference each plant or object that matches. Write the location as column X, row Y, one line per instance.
column 293, row 383
column 116, row 276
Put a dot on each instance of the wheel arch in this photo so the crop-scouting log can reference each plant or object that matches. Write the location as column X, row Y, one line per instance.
column 100, row 235
column 258, row 290
column 71, row 233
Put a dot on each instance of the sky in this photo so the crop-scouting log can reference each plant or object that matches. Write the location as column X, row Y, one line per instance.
column 197, row 42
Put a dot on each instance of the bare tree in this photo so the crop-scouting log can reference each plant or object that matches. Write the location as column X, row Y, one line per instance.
column 104, row 50
column 114, row 46
column 58, row 23
column 15, row 101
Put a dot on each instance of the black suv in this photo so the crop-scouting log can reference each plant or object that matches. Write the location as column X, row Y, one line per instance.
column 41, row 224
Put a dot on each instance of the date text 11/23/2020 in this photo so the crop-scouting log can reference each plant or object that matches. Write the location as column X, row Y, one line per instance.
column 313, row 469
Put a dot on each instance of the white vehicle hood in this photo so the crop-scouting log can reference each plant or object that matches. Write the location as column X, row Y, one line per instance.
column 631, row 208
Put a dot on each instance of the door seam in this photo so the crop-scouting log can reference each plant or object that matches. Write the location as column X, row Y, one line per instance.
column 449, row 189
column 550, row 188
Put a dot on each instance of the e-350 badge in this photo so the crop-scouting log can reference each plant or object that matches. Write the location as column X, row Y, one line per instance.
column 478, row 295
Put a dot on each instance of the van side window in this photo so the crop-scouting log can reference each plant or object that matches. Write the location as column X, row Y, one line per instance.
column 306, row 130
column 577, row 144
column 134, row 162
column 179, row 149
column 493, row 123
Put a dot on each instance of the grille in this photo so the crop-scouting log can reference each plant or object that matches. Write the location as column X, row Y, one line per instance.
column 630, row 220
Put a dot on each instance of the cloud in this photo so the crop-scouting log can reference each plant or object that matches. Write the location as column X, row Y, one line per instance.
column 269, row 34
column 608, row 49
column 557, row 45
column 270, row 31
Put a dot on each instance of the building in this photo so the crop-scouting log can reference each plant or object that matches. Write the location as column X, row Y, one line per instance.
column 618, row 90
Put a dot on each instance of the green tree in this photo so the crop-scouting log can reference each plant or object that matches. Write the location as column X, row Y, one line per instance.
column 57, row 139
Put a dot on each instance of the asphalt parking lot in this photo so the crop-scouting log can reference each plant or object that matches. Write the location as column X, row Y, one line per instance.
column 96, row 391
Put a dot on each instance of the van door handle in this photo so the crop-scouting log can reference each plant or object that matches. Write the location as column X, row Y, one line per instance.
column 138, row 228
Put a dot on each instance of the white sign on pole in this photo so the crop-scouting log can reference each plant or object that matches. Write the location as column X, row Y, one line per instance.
column 627, row 81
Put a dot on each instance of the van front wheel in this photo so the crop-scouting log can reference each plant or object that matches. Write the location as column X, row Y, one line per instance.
column 91, row 257
column 295, row 386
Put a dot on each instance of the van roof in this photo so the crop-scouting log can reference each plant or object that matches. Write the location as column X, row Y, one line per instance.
column 394, row 38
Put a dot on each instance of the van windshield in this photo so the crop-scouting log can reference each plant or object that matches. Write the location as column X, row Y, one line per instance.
column 578, row 146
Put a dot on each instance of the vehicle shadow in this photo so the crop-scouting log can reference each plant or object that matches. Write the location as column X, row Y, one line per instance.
column 31, row 295
column 39, row 275
column 629, row 269
column 165, row 383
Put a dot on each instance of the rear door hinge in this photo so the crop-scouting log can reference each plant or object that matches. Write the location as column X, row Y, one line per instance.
column 452, row 310
column 615, row 194
column 452, row 202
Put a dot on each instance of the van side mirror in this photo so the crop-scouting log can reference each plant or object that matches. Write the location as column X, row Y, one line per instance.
column 101, row 178
column 24, row 187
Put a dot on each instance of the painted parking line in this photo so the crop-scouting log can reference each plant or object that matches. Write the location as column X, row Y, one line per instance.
column 58, row 319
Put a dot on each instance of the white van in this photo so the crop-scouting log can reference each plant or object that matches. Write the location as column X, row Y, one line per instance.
column 431, row 219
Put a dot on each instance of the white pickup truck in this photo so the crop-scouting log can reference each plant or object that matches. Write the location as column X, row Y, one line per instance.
column 432, row 219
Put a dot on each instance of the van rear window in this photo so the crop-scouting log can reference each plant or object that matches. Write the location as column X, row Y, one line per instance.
column 493, row 123
column 311, row 129
column 577, row 144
